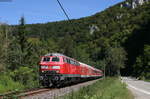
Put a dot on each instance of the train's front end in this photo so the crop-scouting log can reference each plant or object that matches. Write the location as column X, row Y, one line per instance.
column 51, row 69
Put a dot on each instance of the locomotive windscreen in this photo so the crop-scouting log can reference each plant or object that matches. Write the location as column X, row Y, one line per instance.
column 55, row 59
column 46, row 59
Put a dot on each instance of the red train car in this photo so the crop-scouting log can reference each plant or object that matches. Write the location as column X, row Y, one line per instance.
column 57, row 69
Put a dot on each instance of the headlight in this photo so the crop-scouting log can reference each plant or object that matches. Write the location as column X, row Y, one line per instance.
column 55, row 67
column 44, row 67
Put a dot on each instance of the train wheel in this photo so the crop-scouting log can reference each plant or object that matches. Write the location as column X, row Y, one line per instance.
column 50, row 84
column 58, row 84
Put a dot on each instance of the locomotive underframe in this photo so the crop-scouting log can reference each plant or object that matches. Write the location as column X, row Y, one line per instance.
column 53, row 79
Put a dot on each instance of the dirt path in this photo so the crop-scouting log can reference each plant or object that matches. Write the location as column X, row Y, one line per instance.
column 139, row 88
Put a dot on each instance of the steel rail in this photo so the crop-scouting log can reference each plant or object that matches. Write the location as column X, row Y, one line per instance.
column 29, row 92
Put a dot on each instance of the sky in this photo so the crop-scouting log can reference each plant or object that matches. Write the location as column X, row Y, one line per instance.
column 43, row 11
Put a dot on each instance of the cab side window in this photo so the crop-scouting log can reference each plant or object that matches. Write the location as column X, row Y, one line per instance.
column 78, row 64
column 71, row 61
column 68, row 61
column 65, row 60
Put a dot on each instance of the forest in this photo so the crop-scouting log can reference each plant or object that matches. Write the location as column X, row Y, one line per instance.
column 116, row 40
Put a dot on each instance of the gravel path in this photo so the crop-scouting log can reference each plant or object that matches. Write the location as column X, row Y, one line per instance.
column 60, row 92
column 139, row 88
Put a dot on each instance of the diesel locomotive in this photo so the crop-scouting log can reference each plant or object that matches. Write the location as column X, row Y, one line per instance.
column 57, row 70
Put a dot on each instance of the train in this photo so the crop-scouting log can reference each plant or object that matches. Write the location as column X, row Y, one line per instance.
column 57, row 70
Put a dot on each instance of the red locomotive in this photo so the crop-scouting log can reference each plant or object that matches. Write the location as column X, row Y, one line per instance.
column 57, row 69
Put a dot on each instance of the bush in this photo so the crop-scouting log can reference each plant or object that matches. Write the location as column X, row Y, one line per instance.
column 7, row 84
column 26, row 76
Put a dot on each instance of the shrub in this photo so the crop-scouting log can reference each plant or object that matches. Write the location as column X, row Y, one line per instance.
column 7, row 84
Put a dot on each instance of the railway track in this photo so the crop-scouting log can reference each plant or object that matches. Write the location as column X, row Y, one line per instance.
column 20, row 95
column 60, row 92
column 46, row 93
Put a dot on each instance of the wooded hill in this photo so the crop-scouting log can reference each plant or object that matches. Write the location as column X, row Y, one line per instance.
column 115, row 31
column 115, row 39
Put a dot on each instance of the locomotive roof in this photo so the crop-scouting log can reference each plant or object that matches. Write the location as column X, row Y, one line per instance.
column 57, row 54
column 88, row 66
column 54, row 54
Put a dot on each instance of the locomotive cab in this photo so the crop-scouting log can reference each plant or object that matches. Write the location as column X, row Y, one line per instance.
column 51, row 64
column 51, row 68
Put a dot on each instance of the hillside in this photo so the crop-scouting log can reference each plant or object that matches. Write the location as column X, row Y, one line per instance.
column 116, row 40
column 117, row 27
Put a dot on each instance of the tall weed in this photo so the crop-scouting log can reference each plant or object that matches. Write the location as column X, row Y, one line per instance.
column 110, row 88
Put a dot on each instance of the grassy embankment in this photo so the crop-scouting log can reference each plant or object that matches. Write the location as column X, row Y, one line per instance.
column 7, row 84
column 148, row 80
column 110, row 88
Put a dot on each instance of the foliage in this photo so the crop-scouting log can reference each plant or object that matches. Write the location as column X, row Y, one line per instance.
column 115, row 60
column 4, row 43
column 7, row 84
column 124, row 28
column 121, row 45
column 142, row 65
column 25, row 75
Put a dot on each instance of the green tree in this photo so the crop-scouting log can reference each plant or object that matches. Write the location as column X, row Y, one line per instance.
column 4, row 43
column 115, row 60
column 19, row 47
column 67, row 46
column 22, row 41
column 142, row 65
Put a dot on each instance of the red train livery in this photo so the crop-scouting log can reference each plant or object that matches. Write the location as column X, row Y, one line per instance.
column 57, row 70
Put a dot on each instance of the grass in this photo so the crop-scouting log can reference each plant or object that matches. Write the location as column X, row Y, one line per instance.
column 148, row 80
column 110, row 88
column 25, row 80
column 7, row 84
